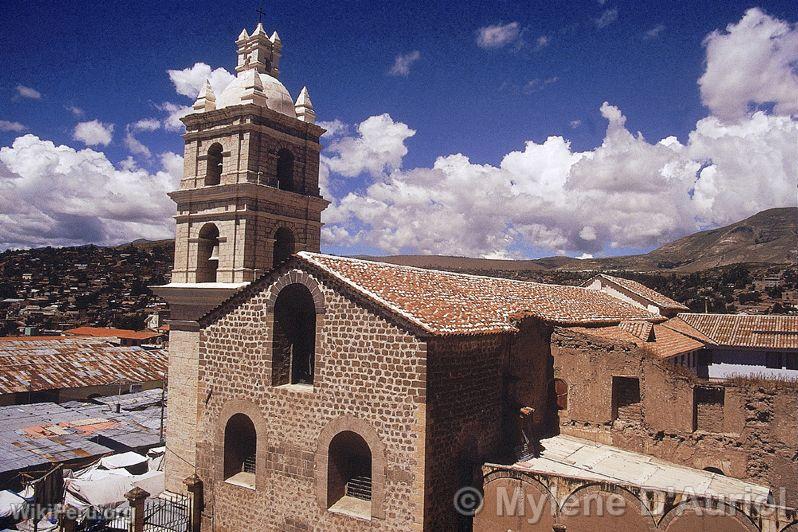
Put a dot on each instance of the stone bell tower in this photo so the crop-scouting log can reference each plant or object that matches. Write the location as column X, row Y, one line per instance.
column 248, row 199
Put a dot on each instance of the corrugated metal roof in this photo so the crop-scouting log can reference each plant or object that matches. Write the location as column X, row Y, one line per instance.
column 572, row 457
column 75, row 362
column 44, row 433
column 741, row 330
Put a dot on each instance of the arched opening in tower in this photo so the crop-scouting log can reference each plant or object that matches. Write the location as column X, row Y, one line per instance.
column 294, row 343
column 213, row 175
column 208, row 254
column 283, row 246
column 285, row 170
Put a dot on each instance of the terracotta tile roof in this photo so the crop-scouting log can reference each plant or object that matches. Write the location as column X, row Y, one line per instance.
column 679, row 325
column 109, row 332
column 74, row 362
column 641, row 329
column 740, row 330
column 662, row 341
column 452, row 303
column 646, row 292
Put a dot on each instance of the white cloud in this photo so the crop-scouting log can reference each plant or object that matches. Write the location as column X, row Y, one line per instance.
column 76, row 111
column 94, row 133
column 575, row 123
column 542, row 42
column 146, row 124
column 334, row 128
column 584, row 256
column 498, row 35
column 607, row 17
column 6, row 125
column 751, row 62
column 28, row 92
column 189, row 81
column 403, row 62
column 627, row 192
column 56, row 195
column 654, row 32
column 174, row 112
column 134, row 145
column 377, row 148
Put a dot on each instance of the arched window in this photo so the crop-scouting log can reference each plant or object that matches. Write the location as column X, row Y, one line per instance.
column 561, row 394
column 240, row 445
column 207, row 254
column 283, row 246
column 349, row 473
column 213, row 175
column 285, row 170
column 294, row 343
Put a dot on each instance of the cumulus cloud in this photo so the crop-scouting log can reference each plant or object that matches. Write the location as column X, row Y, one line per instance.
column 55, row 195
column 189, row 81
column 752, row 62
column 654, row 32
column 498, row 35
column 76, row 111
column 94, row 133
column 403, row 62
column 334, row 128
column 174, row 112
column 378, row 146
column 6, row 125
column 607, row 17
column 627, row 192
column 28, row 92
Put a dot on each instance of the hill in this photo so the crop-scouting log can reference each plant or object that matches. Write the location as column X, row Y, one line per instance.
column 768, row 237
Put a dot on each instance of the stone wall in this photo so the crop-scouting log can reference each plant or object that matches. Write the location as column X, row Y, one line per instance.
column 744, row 428
column 181, row 422
column 370, row 376
column 465, row 418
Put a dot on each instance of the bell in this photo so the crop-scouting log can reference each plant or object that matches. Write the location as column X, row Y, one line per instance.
column 214, row 253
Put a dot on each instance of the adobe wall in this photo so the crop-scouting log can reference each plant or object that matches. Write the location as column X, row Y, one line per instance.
column 369, row 378
column 751, row 436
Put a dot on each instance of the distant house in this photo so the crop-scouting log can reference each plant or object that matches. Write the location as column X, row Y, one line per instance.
column 744, row 345
column 125, row 337
column 59, row 368
column 636, row 294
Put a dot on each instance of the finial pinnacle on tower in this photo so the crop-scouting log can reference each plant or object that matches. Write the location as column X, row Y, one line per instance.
column 260, row 12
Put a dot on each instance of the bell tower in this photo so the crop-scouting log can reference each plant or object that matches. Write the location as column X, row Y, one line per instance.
column 248, row 199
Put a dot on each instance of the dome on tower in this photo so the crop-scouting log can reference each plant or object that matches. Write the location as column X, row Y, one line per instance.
column 277, row 96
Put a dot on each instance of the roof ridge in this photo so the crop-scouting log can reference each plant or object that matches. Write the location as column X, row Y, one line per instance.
column 445, row 272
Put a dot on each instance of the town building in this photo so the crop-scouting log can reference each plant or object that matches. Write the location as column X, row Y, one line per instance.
column 124, row 337
column 309, row 391
column 64, row 368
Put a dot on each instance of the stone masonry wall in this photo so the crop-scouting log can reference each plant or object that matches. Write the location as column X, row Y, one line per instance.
column 369, row 373
column 181, row 422
column 751, row 436
column 465, row 416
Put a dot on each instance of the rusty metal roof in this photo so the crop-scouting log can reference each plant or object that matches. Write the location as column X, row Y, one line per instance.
column 75, row 362
column 40, row 434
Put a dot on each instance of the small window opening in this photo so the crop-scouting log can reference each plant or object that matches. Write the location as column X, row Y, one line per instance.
column 213, row 176
column 626, row 399
column 349, row 473
column 283, row 246
column 285, row 170
column 240, row 445
column 561, row 393
column 208, row 254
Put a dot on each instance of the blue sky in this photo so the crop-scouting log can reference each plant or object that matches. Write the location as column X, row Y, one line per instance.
column 547, row 72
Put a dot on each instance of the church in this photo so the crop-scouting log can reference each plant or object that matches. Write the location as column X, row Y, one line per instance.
column 316, row 392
